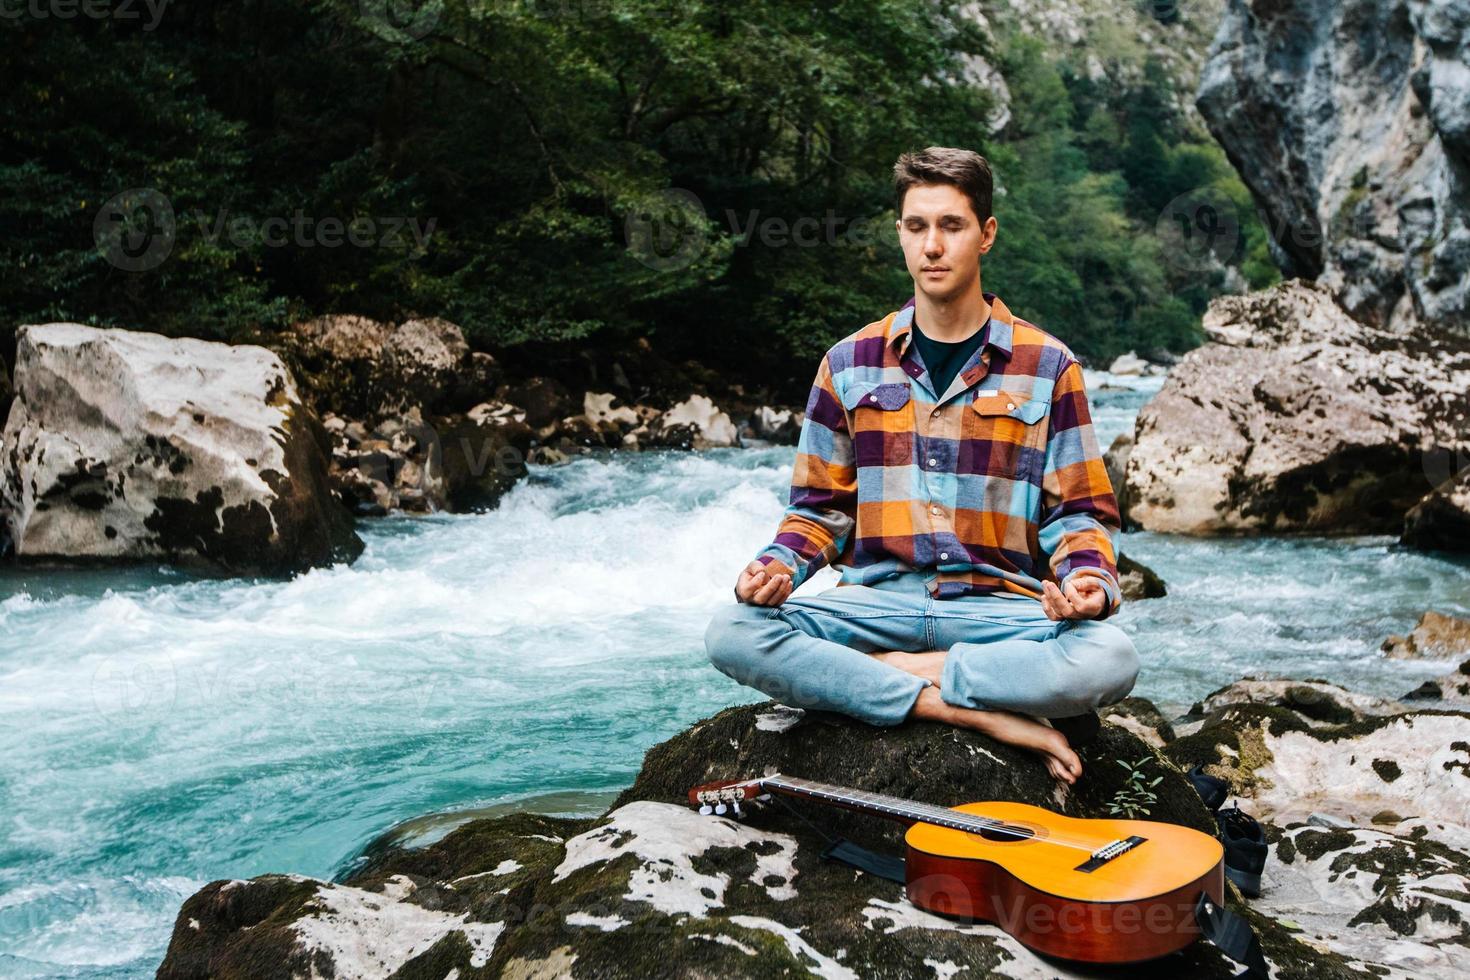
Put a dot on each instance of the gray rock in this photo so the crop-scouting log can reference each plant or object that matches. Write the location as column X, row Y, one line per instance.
column 1416, row 762
column 1451, row 691
column 1385, row 896
column 1441, row 521
column 695, row 423
column 1314, row 701
column 544, row 400
column 1347, row 120
column 1141, row 717
column 365, row 369
column 1116, row 462
column 1138, row 581
column 653, row 890
column 124, row 445
column 1296, row 417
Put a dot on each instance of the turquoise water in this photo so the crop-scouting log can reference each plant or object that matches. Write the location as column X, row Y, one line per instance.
column 162, row 731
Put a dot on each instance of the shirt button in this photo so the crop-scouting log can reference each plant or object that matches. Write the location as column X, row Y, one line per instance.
column 873, row 398
column 935, row 413
column 944, row 555
column 933, row 462
column 1010, row 406
column 934, row 509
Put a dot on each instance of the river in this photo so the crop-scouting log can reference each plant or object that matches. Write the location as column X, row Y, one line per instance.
column 162, row 730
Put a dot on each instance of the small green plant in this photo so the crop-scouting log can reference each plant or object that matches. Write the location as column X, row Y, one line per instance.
column 1136, row 796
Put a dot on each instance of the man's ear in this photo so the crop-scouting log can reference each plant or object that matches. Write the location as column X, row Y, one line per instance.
column 987, row 234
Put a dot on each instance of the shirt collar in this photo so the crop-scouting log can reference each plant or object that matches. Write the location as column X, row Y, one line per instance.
column 998, row 327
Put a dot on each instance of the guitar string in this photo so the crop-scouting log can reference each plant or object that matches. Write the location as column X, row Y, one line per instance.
column 941, row 815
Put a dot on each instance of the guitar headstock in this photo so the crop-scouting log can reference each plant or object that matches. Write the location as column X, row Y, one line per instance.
column 725, row 796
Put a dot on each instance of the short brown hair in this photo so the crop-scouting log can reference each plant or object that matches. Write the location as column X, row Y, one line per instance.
column 965, row 169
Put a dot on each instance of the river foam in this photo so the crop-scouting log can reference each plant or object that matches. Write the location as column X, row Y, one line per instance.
column 164, row 730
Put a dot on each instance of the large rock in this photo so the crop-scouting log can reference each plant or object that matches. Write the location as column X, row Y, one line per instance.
column 1316, row 701
column 1451, row 690
column 1441, row 521
column 1368, row 822
column 128, row 445
column 653, row 890
column 365, row 369
column 1348, row 121
column 454, row 463
column 1415, row 763
column 1435, row 635
column 1296, row 417
column 695, row 423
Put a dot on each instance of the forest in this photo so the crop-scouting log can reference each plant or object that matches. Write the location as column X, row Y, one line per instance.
column 552, row 173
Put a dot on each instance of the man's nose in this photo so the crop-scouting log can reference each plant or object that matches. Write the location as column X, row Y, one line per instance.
column 933, row 245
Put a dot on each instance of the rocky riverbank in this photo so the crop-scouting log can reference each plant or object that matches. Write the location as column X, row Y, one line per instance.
column 1366, row 804
column 254, row 458
column 1295, row 416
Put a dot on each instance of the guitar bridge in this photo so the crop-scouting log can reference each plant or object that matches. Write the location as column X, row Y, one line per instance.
column 1104, row 854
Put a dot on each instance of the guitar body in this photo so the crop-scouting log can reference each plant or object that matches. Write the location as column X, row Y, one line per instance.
column 1135, row 906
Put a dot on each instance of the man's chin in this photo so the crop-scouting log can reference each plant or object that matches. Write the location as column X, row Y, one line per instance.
column 943, row 291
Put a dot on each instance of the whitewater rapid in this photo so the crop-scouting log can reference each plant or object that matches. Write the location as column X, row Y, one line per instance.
column 162, row 730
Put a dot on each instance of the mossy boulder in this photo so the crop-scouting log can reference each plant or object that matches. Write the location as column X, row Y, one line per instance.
column 651, row 889
column 1141, row 717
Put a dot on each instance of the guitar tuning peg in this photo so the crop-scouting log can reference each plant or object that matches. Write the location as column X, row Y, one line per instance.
column 706, row 810
column 736, row 808
column 720, row 809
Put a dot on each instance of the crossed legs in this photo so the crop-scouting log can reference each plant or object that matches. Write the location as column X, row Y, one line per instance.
column 868, row 653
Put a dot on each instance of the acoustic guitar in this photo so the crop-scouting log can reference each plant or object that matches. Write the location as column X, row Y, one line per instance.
column 1095, row 891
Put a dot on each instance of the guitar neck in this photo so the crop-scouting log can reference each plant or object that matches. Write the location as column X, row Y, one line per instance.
column 878, row 804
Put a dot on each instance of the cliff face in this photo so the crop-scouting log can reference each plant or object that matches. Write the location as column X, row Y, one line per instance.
column 1349, row 120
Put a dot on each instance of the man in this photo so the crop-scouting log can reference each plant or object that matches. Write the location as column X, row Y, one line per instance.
column 947, row 466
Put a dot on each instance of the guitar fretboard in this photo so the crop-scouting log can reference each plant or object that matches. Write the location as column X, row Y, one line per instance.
column 878, row 803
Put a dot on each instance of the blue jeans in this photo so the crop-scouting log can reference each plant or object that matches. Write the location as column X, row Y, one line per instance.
column 812, row 652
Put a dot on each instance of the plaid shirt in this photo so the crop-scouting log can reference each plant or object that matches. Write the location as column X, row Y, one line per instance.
column 987, row 487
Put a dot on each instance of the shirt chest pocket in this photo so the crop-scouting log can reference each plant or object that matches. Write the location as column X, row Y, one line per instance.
column 1008, row 417
column 882, row 419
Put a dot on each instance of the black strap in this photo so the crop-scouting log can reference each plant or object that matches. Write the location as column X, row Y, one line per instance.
column 883, row 865
column 1233, row 935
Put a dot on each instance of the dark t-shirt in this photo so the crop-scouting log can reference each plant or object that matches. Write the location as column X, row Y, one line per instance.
column 943, row 359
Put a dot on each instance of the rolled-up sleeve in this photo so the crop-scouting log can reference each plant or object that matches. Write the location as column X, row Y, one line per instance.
column 1079, row 524
column 821, row 512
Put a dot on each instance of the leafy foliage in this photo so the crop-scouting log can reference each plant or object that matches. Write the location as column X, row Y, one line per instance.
column 1136, row 797
column 491, row 161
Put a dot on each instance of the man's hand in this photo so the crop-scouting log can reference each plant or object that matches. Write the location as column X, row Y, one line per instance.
column 760, row 589
column 1084, row 598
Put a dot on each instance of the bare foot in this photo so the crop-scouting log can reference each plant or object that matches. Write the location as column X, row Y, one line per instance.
column 928, row 664
column 1006, row 726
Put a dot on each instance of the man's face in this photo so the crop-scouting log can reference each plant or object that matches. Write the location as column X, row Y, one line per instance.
column 942, row 239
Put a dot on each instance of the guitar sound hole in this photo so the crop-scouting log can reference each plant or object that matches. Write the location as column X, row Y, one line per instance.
column 1007, row 832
